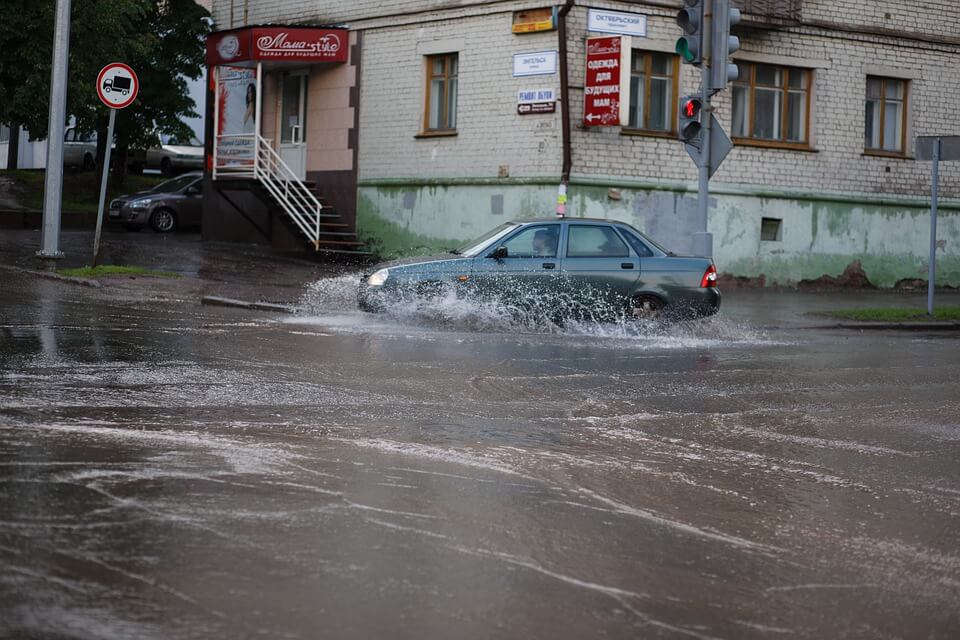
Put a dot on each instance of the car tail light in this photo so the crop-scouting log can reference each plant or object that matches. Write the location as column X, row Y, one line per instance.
column 709, row 277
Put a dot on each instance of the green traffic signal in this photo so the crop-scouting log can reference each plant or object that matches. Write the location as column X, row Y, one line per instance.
column 684, row 50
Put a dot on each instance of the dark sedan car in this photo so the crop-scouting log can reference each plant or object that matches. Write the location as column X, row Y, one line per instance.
column 169, row 205
column 561, row 267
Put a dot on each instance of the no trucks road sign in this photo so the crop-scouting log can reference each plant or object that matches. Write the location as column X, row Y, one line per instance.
column 117, row 85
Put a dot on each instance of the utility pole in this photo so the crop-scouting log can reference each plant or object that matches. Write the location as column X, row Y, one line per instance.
column 53, row 184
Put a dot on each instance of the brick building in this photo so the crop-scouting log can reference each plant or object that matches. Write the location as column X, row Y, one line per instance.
column 418, row 139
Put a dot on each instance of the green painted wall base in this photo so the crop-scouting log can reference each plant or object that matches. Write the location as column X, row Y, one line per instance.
column 819, row 234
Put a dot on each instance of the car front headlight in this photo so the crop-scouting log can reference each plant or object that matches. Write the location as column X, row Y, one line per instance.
column 142, row 203
column 378, row 278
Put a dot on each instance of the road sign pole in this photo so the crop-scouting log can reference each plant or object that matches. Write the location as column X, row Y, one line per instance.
column 103, row 186
column 932, row 268
column 53, row 181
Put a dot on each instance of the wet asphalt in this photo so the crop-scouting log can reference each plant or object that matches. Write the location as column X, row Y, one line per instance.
column 171, row 470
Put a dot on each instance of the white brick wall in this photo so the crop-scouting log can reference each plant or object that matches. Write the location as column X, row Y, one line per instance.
column 490, row 133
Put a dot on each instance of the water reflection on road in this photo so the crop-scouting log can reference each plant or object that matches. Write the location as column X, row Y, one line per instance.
column 172, row 471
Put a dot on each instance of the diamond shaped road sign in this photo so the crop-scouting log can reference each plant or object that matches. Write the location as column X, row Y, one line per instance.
column 720, row 146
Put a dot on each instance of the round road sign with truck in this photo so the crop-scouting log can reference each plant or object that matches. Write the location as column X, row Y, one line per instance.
column 117, row 85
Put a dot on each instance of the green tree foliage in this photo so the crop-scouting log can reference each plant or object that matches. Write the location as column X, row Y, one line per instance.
column 162, row 40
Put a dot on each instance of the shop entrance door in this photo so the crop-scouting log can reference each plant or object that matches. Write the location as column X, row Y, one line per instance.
column 293, row 122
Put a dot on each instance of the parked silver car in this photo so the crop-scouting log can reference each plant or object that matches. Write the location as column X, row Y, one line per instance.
column 169, row 155
column 79, row 149
column 168, row 206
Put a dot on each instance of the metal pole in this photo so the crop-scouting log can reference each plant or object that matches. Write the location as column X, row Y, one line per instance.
column 103, row 186
column 53, row 182
column 931, row 270
column 702, row 240
column 256, row 120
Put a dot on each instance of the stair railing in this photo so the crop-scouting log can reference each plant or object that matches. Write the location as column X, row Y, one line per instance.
column 268, row 168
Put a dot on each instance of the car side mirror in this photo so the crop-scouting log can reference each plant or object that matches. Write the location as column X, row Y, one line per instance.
column 499, row 253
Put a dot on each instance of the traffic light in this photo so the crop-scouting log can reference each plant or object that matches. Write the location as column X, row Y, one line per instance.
column 691, row 19
column 722, row 44
column 690, row 128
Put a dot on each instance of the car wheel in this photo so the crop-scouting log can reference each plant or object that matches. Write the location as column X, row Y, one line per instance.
column 166, row 167
column 88, row 163
column 645, row 307
column 163, row 220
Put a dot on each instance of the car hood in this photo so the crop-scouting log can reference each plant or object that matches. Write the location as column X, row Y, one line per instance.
column 183, row 150
column 416, row 263
column 137, row 195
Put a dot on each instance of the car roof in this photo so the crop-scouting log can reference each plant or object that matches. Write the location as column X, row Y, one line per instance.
column 543, row 219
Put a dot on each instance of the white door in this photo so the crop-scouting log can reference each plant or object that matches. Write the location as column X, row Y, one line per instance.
column 293, row 122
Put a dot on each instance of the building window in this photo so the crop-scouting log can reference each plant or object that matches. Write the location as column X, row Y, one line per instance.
column 771, row 105
column 771, row 229
column 653, row 91
column 886, row 115
column 441, row 103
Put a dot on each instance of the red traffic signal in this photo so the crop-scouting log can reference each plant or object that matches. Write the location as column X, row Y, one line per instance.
column 690, row 127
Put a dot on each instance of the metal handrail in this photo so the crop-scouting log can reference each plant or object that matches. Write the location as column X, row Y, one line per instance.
column 268, row 168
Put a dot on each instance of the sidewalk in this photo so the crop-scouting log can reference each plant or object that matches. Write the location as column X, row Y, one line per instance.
column 247, row 272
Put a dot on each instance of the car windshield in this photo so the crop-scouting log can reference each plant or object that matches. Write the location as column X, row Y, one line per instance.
column 475, row 247
column 189, row 141
column 171, row 186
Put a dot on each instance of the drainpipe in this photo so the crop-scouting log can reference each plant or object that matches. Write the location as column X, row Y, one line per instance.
column 565, row 112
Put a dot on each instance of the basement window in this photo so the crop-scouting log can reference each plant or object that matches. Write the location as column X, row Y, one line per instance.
column 771, row 229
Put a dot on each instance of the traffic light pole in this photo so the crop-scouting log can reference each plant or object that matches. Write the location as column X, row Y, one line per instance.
column 702, row 239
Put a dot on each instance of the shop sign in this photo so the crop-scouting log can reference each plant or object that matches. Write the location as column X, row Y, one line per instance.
column 533, row 108
column 282, row 44
column 628, row 24
column 307, row 45
column 607, row 85
column 535, row 63
column 535, row 20
column 527, row 96
column 533, row 101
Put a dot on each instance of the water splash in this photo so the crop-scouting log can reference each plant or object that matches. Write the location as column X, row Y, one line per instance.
column 333, row 302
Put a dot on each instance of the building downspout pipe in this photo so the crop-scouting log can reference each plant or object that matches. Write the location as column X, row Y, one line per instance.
column 565, row 112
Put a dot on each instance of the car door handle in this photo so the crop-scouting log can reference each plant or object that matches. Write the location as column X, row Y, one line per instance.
column 626, row 265
column 549, row 265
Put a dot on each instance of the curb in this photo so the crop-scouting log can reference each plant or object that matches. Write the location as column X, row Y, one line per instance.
column 86, row 282
column 217, row 301
column 944, row 325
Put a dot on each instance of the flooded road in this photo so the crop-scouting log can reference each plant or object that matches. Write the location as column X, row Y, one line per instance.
column 175, row 471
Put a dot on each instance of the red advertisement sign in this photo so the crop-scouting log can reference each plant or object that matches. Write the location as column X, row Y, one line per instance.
column 286, row 44
column 606, row 92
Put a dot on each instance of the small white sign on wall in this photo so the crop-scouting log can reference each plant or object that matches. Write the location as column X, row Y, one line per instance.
column 627, row 24
column 526, row 96
column 535, row 63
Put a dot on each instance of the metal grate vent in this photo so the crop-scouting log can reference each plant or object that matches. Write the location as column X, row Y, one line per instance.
column 782, row 9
